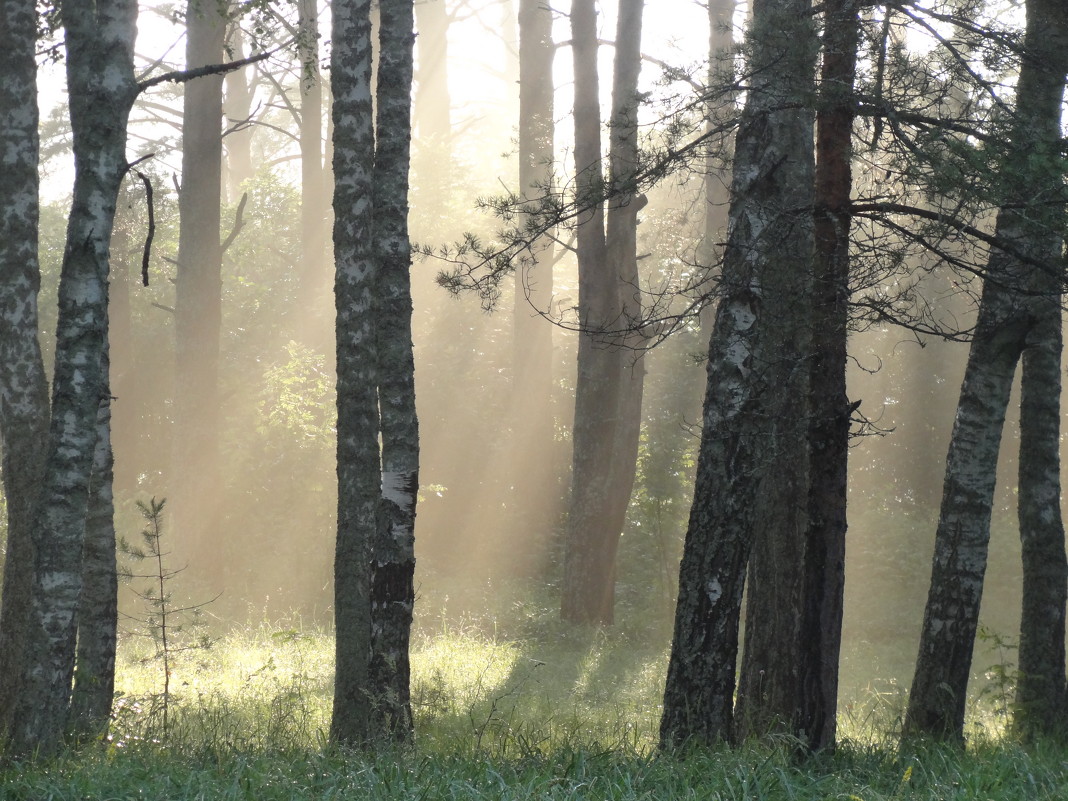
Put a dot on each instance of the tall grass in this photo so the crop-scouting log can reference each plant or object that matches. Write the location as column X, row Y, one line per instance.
column 560, row 713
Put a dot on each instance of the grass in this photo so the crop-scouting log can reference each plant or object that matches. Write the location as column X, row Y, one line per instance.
column 556, row 713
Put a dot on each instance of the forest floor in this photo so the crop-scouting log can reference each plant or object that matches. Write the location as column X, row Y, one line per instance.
column 537, row 711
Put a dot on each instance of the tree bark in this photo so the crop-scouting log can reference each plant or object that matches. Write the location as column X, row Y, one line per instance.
column 358, row 458
column 237, row 108
column 610, row 371
column 24, row 410
column 94, row 677
column 198, row 304
column 432, row 102
column 532, row 336
column 750, row 485
column 393, row 565
column 1014, row 301
column 101, row 87
column 312, row 211
column 1040, row 689
column 828, row 435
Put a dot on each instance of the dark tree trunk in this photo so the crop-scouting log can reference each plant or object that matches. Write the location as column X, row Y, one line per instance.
column 755, row 400
column 828, row 437
column 94, row 677
column 1015, row 299
column 1040, row 689
column 23, row 386
column 393, row 564
column 358, row 458
column 195, row 477
column 101, row 87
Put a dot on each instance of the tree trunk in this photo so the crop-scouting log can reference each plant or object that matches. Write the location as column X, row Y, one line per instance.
column 717, row 177
column 195, row 477
column 1040, row 689
column 1014, row 302
column 312, row 212
column 433, row 106
column 237, row 108
column 609, row 382
column 23, row 386
column 828, row 436
column 358, row 460
column 532, row 337
column 754, row 413
column 94, row 678
column 101, row 88
column 393, row 564
column 770, row 681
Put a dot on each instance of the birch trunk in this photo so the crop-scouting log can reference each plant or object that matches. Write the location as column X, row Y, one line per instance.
column 1015, row 299
column 1040, row 689
column 23, row 386
column 748, row 480
column 94, row 677
column 101, row 86
column 358, row 459
column 393, row 564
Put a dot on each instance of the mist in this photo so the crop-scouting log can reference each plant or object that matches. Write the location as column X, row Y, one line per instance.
column 496, row 456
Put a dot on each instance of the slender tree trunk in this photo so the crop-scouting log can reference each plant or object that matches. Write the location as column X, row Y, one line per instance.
column 828, row 436
column 609, row 382
column 1014, row 302
column 750, row 475
column 94, row 678
column 312, row 211
column 532, row 336
column 237, row 108
column 23, row 386
column 198, row 303
column 393, row 564
column 432, row 102
column 717, row 177
column 621, row 228
column 358, row 459
column 1040, row 689
column 589, row 578
column 101, row 88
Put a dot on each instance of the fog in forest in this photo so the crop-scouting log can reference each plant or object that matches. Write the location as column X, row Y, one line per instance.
column 495, row 458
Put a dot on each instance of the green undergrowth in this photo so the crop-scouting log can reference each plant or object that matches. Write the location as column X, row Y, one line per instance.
column 559, row 713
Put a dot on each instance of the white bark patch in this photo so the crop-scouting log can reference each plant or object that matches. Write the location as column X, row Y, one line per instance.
column 395, row 487
column 714, row 590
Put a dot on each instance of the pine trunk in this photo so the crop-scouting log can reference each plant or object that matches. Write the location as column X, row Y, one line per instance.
column 531, row 472
column 198, row 306
column 828, row 436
